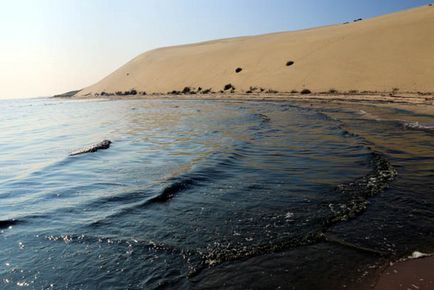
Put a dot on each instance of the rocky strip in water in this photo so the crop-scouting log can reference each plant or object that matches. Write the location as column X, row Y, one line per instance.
column 105, row 144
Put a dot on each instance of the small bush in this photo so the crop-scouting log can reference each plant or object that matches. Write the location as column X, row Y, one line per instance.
column 294, row 92
column 353, row 91
column 238, row 70
column 253, row 89
column 186, row 90
column 333, row 91
column 207, row 91
column 228, row 87
column 357, row 20
column 249, row 92
column 133, row 92
column 270, row 91
column 289, row 63
column 199, row 89
column 305, row 92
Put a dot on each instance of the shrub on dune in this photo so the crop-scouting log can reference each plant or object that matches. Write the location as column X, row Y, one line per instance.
column 186, row 90
column 228, row 87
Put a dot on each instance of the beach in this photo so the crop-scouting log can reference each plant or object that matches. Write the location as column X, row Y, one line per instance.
column 298, row 159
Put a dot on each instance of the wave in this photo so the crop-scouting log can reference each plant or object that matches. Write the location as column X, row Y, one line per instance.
column 417, row 125
column 404, row 123
column 355, row 194
column 353, row 200
column 4, row 224
column 215, row 167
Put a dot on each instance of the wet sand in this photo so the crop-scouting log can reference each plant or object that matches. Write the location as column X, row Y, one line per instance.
column 409, row 274
column 423, row 104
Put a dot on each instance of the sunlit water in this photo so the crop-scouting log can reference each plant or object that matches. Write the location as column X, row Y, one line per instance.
column 210, row 194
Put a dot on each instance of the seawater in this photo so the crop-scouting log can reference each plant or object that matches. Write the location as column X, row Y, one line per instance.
column 210, row 194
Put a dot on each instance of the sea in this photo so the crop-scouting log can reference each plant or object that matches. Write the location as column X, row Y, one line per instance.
column 211, row 194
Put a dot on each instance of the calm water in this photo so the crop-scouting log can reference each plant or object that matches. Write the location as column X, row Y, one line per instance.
column 210, row 194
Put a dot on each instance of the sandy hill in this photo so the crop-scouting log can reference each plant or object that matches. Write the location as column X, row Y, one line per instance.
column 378, row 54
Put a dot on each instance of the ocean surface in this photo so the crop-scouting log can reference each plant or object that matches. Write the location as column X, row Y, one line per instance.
column 210, row 194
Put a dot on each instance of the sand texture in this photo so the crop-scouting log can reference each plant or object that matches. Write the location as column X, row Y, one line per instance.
column 393, row 51
column 410, row 274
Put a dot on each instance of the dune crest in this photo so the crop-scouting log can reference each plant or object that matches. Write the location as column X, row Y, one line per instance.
column 384, row 53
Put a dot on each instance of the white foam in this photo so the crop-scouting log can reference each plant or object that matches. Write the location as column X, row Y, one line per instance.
column 417, row 255
column 417, row 125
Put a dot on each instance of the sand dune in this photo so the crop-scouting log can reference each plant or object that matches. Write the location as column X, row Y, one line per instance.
column 378, row 54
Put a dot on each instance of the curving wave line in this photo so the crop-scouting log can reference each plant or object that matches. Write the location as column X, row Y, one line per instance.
column 4, row 224
column 201, row 175
column 215, row 167
column 355, row 200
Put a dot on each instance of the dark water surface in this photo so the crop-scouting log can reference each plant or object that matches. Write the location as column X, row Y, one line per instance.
column 210, row 194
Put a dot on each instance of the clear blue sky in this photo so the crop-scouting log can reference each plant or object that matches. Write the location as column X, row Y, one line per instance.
column 50, row 46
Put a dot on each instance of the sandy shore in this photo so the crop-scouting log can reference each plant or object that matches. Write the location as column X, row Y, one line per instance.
column 422, row 104
column 409, row 274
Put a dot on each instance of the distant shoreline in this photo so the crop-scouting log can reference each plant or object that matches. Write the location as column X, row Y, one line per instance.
column 425, row 103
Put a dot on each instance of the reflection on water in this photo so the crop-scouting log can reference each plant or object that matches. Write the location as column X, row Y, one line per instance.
column 210, row 194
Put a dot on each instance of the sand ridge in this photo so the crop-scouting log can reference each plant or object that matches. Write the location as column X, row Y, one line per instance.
column 384, row 53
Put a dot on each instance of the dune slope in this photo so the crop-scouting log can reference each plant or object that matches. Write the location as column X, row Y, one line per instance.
column 378, row 54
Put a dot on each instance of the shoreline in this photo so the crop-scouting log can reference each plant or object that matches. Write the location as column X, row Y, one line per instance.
column 422, row 104
column 407, row 273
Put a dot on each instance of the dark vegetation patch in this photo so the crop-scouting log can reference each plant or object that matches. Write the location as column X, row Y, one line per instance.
column 333, row 91
column 357, row 20
column 294, row 92
column 186, row 90
column 228, row 87
column 289, row 63
column 271, row 91
column 305, row 92
column 238, row 70
column 126, row 93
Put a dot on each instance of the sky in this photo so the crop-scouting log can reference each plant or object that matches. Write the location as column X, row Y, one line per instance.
column 53, row 46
